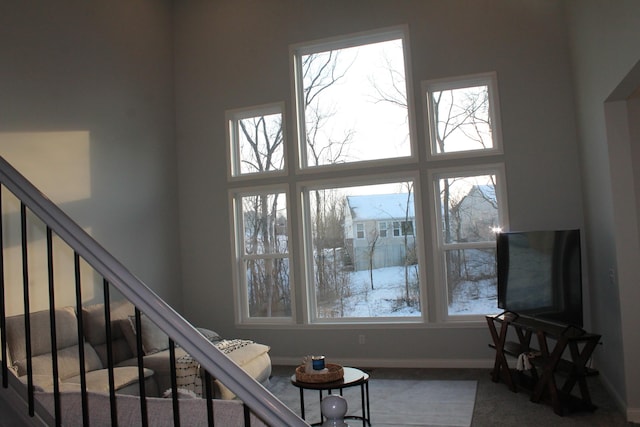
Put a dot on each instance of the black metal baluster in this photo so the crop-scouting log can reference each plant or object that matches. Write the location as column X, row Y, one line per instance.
column 108, row 333
column 143, row 399
column 209, row 394
column 27, row 309
column 54, row 336
column 174, row 383
column 83, row 375
column 3, row 312
column 247, row 415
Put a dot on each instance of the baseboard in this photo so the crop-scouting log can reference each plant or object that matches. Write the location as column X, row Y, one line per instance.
column 395, row 363
column 632, row 414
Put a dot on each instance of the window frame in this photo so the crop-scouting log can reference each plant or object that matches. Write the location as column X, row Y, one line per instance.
column 490, row 79
column 232, row 117
column 296, row 51
column 240, row 287
column 440, row 248
column 306, row 243
column 424, row 167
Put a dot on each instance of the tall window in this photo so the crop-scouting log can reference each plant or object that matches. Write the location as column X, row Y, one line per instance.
column 470, row 214
column 470, row 197
column 355, row 196
column 262, row 254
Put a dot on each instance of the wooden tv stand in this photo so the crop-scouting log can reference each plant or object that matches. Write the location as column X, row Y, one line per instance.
column 546, row 362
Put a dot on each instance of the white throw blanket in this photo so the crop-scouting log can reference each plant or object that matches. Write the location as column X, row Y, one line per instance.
column 188, row 373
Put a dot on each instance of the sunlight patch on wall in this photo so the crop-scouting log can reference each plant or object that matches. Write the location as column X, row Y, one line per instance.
column 57, row 163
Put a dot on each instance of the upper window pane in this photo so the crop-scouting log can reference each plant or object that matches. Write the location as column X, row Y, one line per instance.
column 461, row 115
column 352, row 102
column 257, row 140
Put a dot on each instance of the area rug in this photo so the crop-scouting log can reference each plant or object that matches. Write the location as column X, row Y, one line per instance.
column 395, row 403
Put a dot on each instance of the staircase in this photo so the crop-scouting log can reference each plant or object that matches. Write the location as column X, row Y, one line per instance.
column 36, row 208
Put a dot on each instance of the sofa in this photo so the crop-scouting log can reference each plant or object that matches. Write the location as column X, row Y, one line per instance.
column 252, row 357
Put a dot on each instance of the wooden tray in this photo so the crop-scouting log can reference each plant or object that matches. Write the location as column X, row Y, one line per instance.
column 335, row 373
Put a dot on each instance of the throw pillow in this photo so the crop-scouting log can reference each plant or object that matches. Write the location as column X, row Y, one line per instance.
column 153, row 339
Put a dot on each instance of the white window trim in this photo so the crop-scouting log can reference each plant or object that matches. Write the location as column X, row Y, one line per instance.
column 342, row 42
column 491, row 80
column 232, row 144
column 307, row 251
column 441, row 310
column 239, row 280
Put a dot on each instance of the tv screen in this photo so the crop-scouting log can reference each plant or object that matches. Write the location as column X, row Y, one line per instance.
column 540, row 275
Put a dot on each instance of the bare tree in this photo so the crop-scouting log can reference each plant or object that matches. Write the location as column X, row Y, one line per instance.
column 320, row 72
column 372, row 239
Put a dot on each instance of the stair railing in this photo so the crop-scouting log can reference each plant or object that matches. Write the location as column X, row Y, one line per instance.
column 260, row 401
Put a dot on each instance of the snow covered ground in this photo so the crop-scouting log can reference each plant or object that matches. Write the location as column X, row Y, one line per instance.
column 386, row 299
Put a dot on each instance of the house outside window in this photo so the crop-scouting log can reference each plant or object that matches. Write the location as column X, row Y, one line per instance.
column 383, row 228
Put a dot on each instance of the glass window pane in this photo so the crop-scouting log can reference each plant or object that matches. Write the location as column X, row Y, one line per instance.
column 265, row 259
column 471, row 281
column 357, row 270
column 354, row 103
column 257, row 140
column 469, row 208
column 268, row 288
column 462, row 116
column 264, row 219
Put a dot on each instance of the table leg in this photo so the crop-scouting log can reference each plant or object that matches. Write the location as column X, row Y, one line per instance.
column 368, row 409
column 500, row 366
column 364, row 413
column 302, row 403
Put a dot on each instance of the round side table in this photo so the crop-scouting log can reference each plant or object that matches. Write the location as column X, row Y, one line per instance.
column 352, row 377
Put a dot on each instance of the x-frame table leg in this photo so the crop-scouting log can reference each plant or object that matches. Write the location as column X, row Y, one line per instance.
column 500, row 366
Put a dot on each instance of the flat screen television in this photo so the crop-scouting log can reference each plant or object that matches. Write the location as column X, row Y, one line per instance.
column 540, row 275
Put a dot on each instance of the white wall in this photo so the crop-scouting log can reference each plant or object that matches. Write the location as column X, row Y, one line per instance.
column 86, row 113
column 605, row 41
column 235, row 53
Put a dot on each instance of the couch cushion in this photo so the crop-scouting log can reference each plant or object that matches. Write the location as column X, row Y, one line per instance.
column 40, row 325
column 245, row 353
column 68, row 362
column 95, row 330
column 258, row 368
column 159, row 364
column 99, row 380
column 153, row 339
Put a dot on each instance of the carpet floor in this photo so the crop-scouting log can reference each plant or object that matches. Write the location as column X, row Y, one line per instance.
column 398, row 403
column 495, row 404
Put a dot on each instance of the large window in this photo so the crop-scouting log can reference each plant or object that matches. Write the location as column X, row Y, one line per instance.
column 358, row 270
column 354, row 194
column 352, row 100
